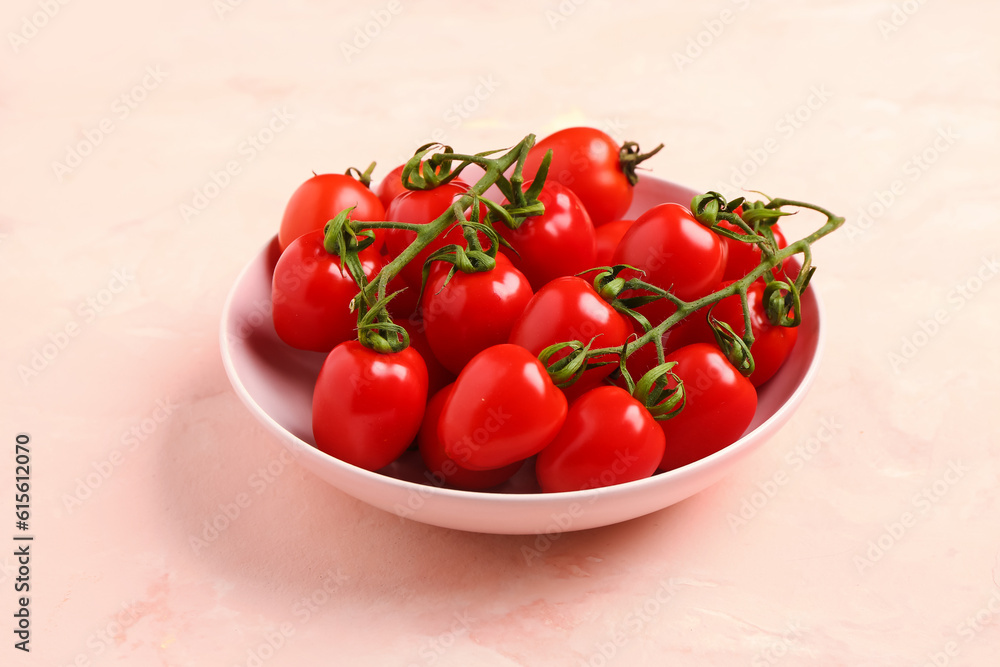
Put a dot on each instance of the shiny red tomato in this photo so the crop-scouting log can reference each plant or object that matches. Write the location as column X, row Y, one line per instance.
column 568, row 309
column 311, row 294
column 320, row 199
column 560, row 242
column 585, row 159
column 421, row 207
column 720, row 404
column 504, row 408
column 608, row 438
column 442, row 468
column 772, row 344
column 608, row 237
column 745, row 257
column 367, row 407
column 473, row 311
column 391, row 186
column 437, row 375
column 676, row 251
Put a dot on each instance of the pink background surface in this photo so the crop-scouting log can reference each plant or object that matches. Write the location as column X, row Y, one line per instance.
column 870, row 522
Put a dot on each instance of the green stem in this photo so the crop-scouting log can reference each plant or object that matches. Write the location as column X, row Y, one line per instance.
column 768, row 263
column 494, row 168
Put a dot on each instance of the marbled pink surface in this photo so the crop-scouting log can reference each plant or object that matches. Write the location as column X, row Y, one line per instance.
column 870, row 523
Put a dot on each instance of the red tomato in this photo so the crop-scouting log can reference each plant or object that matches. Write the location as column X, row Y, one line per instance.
column 585, row 159
column 437, row 375
column 391, row 186
column 772, row 344
column 320, row 199
column 745, row 257
column 311, row 294
column 567, row 309
column 473, row 311
column 421, row 207
column 560, row 242
column 444, row 469
column 644, row 359
column 367, row 406
column 675, row 250
column 608, row 237
column 504, row 408
column 720, row 404
column 608, row 438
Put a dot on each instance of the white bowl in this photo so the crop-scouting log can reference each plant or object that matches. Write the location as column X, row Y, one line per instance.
column 276, row 384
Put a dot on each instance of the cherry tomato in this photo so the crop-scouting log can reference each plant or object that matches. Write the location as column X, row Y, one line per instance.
column 504, row 408
column 367, row 406
column 585, row 159
column 320, row 199
column 421, row 207
column 745, row 257
column 772, row 344
column 437, row 375
column 567, row 309
column 720, row 405
column 391, row 186
column 560, row 242
column 473, row 311
column 444, row 469
column 608, row 237
column 608, row 438
column 311, row 294
column 676, row 251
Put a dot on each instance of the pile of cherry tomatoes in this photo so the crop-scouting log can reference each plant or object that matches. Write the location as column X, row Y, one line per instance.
column 491, row 330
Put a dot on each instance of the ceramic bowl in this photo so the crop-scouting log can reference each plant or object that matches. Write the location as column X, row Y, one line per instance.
column 276, row 384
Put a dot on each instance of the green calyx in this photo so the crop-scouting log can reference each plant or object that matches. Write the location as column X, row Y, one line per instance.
column 736, row 349
column 568, row 369
column 364, row 177
column 661, row 392
column 630, row 157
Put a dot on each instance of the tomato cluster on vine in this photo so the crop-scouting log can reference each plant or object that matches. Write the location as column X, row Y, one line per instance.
column 545, row 327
